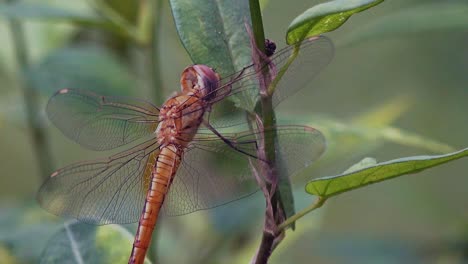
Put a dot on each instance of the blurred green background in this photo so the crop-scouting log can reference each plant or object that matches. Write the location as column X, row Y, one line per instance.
column 400, row 66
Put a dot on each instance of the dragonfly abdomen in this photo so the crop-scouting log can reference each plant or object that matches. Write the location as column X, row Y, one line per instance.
column 164, row 170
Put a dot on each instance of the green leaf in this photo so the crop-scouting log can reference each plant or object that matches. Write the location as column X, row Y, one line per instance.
column 286, row 196
column 385, row 113
column 407, row 138
column 82, row 243
column 82, row 68
column 344, row 137
column 126, row 9
column 213, row 33
column 324, row 18
column 263, row 4
column 364, row 163
column 20, row 10
column 366, row 131
column 6, row 256
column 43, row 12
column 451, row 16
column 23, row 228
column 360, row 177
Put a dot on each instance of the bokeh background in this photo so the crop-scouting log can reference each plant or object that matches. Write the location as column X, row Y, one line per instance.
column 397, row 87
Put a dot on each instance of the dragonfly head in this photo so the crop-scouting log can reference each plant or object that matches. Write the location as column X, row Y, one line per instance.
column 201, row 80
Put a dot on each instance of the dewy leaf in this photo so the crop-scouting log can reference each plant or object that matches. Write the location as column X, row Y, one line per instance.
column 451, row 16
column 324, row 18
column 330, row 186
column 83, row 243
column 213, row 33
column 81, row 68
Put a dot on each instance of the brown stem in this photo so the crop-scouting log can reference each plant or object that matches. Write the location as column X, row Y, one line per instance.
column 265, row 249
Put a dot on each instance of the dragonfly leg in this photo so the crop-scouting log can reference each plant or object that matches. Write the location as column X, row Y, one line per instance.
column 227, row 141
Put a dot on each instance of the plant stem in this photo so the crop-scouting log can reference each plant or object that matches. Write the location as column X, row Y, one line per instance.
column 265, row 249
column 149, row 26
column 268, row 120
column 267, row 114
column 39, row 139
column 317, row 204
column 158, row 91
column 149, row 22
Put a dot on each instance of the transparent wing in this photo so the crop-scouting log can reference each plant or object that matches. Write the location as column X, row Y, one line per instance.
column 212, row 173
column 103, row 191
column 314, row 55
column 101, row 122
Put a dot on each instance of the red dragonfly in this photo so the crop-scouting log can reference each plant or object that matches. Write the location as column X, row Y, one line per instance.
column 179, row 161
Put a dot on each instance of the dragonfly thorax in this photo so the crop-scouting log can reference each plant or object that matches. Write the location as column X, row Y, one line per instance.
column 180, row 117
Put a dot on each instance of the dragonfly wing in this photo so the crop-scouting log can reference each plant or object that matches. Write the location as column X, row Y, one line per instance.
column 101, row 122
column 103, row 191
column 212, row 173
column 243, row 86
column 209, row 175
column 299, row 147
column 314, row 55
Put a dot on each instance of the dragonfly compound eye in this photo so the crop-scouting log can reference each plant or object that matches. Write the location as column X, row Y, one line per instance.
column 201, row 78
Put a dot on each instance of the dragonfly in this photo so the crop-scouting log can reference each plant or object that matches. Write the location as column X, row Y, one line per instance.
column 177, row 161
